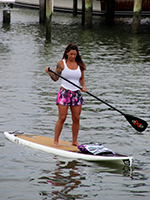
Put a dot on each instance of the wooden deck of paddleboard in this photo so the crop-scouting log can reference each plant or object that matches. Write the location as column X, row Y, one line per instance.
column 47, row 141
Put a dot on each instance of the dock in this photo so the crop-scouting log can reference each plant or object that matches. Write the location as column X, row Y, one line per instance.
column 122, row 8
column 87, row 8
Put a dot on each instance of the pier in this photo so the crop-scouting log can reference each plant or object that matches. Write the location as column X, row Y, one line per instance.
column 87, row 8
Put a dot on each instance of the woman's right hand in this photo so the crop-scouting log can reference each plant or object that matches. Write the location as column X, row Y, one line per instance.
column 46, row 70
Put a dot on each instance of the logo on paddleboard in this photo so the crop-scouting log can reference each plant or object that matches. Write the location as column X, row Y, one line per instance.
column 17, row 141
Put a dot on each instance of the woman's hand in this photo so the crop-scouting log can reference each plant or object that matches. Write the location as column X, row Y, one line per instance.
column 46, row 70
column 84, row 89
column 53, row 76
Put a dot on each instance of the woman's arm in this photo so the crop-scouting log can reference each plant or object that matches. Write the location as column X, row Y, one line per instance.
column 82, row 82
column 58, row 70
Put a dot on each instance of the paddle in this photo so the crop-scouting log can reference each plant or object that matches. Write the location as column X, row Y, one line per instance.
column 137, row 123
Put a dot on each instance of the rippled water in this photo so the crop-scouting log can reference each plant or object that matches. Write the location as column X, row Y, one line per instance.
column 118, row 65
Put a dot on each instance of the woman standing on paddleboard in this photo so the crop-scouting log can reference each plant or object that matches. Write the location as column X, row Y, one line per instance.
column 72, row 68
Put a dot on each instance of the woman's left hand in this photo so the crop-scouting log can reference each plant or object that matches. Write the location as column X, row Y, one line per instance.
column 84, row 89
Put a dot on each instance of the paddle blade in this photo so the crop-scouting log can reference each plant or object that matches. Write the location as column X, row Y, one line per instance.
column 137, row 123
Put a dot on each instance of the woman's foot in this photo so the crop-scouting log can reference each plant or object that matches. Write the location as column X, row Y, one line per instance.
column 56, row 144
column 75, row 144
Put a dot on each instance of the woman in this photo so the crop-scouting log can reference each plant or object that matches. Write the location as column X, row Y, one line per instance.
column 72, row 68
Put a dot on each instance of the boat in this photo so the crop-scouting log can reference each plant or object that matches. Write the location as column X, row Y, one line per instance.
column 127, row 5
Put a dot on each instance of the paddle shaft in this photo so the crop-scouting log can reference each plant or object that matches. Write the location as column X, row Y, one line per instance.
column 137, row 123
column 86, row 91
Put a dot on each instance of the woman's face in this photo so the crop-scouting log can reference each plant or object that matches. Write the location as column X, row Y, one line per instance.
column 72, row 55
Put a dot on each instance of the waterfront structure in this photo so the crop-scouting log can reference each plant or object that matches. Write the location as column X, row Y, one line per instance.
column 107, row 8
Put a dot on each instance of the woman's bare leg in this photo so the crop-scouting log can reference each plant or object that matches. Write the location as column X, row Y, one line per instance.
column 63, row 110
column 76, row 111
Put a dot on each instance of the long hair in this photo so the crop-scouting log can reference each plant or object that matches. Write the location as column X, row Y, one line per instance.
column 78, row 57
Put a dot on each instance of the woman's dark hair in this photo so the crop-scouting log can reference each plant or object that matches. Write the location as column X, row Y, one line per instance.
column 78, row 57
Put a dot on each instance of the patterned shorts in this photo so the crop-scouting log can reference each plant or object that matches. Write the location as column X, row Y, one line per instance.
column 69, row 98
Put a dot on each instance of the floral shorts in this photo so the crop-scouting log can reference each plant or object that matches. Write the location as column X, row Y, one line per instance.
column 69, row 98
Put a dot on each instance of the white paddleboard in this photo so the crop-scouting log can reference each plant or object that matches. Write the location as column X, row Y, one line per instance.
column 65, row 148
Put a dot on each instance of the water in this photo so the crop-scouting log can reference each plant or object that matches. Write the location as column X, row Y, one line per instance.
column 117, row 72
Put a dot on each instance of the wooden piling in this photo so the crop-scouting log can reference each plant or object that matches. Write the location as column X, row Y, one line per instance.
column 109, row 11
column 83, row 12
column 75, row 7
column 6, row 16
column 49, row 12
column 136, row 16
column 87, row 7
column 42, row 11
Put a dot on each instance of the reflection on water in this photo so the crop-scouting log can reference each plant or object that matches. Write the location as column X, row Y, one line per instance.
column 68, row 178
column 67, row 182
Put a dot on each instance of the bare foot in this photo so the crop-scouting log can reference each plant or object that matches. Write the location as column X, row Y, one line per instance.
column 75, row 144
column 56, row 144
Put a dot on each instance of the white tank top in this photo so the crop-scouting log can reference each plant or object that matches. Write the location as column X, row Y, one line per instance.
column 71, row 75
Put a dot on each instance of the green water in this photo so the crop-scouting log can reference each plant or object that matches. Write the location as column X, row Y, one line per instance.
column 117, row 72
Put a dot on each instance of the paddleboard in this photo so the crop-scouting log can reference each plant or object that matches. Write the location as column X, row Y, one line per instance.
column 65, row 148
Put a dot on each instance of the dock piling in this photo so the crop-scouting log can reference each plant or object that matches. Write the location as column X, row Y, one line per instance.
column 7, row 10
column 6, row 16
column 75, row 7
column 49, row 12
column 109, row 11
column 87, row 7
column 136, row 16
column 42, row 11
